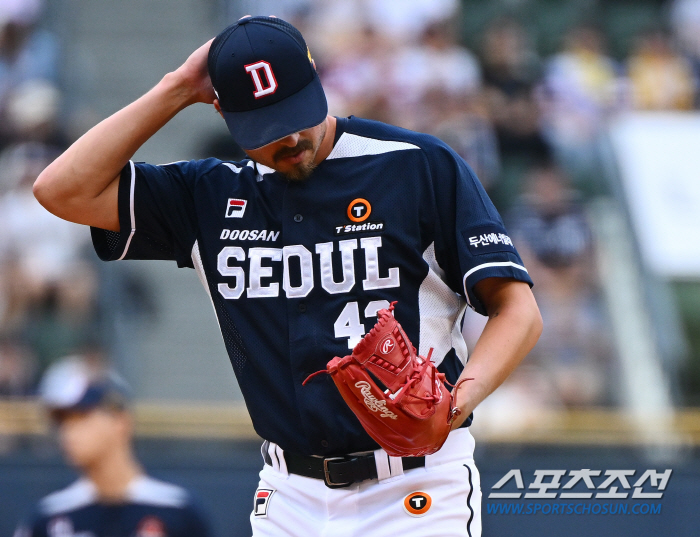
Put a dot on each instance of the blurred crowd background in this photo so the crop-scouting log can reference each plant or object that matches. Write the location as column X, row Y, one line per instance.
column 524, row 90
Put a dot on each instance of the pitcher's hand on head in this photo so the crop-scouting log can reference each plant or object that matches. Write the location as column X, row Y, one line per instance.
column 194, row 76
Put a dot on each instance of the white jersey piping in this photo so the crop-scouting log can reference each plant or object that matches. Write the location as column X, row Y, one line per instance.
column 131, row 209
column 487, row 265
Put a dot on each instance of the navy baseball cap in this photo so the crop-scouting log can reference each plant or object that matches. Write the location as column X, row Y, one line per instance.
column 71, row 385
column 265, row 80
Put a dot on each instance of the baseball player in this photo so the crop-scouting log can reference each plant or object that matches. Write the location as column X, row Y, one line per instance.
column 299, row 247
column 113, row 497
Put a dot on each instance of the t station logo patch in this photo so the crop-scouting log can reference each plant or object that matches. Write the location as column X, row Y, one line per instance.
column 262, row 501
column 359, row 210
column 235, row 208
column 417, row 503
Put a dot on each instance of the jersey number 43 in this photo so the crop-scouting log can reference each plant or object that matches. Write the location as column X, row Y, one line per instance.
column 348, row 323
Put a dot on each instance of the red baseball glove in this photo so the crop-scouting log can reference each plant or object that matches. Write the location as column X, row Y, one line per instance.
column 399, row 397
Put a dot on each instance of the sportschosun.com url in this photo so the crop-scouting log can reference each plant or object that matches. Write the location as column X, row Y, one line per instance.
column 572, row 508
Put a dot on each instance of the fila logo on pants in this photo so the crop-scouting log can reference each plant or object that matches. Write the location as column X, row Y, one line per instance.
column 262, row 88
column 262, row 502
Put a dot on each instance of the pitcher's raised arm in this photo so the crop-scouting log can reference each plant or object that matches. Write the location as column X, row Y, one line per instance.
column 81, row 184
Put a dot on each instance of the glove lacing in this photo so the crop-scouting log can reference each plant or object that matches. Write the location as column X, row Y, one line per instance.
column 432, row 398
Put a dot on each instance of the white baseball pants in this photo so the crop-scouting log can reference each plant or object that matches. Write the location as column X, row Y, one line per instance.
column 449, row 503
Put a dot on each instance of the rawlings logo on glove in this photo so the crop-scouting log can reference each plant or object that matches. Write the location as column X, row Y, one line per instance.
column 371, row 401
column 399, row 397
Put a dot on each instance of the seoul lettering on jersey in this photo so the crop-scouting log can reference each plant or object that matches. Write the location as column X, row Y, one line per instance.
column 259, row 268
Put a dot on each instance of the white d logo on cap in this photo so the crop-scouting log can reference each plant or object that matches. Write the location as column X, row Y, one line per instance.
column 254, row 70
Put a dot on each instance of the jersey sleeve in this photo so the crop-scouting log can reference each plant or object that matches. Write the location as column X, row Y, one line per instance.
column 157, row 214
column 471, row 242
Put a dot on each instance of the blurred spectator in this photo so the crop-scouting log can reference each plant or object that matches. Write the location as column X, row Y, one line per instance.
column 685, row 21
column 403, row 20
column 580, row 89
column 32, row 122
column 511, row 68
column 26, row 52
column 551, row 221
column 584, row 69
column 352, row 79
column 660, row 78
column 552, row 233
column 17, row 368
column 509, row 59
column 461, row 124
column 437, row 64
column 336, row 24
column 47, row 289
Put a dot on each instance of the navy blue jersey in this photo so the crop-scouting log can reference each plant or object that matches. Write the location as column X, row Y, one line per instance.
column 297, row 270
column 153, row 509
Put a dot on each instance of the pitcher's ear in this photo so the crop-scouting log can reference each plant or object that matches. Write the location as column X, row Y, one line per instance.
column 218, row 107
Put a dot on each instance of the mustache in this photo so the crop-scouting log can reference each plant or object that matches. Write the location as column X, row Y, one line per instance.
column 291, row 151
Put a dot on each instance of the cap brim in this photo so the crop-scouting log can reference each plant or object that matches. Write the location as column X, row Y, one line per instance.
column 255, row 128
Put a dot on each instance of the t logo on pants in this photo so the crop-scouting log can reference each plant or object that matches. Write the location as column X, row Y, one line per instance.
column 417, row 503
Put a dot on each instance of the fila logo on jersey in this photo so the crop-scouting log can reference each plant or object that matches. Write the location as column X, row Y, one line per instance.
column 262, row 501
column 387, row 346
column 235, row 208
column 417, row 503
column 359, row 210
column 151, row 526
column 269, row 86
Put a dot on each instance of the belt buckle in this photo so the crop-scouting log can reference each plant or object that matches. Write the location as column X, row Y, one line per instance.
column 327, row 475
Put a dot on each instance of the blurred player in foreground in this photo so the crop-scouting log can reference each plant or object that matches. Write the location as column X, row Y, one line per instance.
column 113, row 497
column 299, row 247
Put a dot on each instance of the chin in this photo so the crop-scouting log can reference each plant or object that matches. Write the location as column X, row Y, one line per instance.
column 78, row 461
column 81, row 458
column 300, row 172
